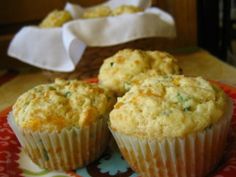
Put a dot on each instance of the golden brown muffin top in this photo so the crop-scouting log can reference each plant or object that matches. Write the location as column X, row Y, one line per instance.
column 118, row 70
column 62, row 104
column 168, row 106
column 55, row 18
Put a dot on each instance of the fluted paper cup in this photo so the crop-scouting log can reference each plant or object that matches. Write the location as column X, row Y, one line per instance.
column 66, row 150
column 194, row 155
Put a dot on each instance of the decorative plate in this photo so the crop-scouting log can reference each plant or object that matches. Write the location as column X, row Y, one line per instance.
column 15, row 163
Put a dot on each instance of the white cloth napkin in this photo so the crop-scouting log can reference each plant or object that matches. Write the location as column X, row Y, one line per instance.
column 60, row 49
column 43, row 48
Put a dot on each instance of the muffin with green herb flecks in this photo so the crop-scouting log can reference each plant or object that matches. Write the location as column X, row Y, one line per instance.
column 118, row 70
column 172, row 125
column 62, row 125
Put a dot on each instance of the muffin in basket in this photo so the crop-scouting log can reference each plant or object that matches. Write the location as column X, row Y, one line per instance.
column 172, row 126
column 106, row 11
column 126, row 9
column 118, row 70
column 55, row 18
column 62, row 125
column 100, row 11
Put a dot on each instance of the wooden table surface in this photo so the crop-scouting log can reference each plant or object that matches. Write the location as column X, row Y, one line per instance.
column 194, row 63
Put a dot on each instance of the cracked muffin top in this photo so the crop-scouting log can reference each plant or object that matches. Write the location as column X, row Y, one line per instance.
column 118, row 70
column 168, row 106
column 62, row 104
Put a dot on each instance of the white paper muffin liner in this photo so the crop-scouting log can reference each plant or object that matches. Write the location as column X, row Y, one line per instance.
column 69, row 149
column 194, row 155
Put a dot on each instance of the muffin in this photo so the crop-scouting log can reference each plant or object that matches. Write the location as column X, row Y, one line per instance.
column 55, row 18
column 96, row 12
column 128, row 63
column 172, row 126
column 105, row 11
column 62, row 125
column 126, row 9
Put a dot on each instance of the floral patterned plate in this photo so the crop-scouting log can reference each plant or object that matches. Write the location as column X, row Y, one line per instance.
column 15, row 163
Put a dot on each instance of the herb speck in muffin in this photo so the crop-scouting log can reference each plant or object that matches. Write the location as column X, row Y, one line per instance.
column 180, row 97
column 52, row 88
column 187, row 108
column 127, row 86
column 67, row 94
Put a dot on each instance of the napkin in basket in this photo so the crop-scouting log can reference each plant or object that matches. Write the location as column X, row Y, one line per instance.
column 60, row 49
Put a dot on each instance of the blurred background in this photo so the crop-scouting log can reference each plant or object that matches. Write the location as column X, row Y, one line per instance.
column 208, row 24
